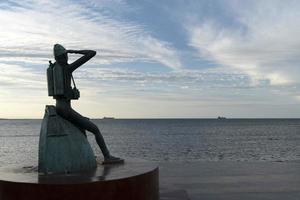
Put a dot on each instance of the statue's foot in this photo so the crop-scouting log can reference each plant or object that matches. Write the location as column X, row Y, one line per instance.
column 112, row 160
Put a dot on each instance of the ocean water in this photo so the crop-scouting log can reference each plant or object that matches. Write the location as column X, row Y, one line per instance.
column 184, row 140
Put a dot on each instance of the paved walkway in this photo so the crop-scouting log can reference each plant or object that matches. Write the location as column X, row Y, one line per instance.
column 230, row 181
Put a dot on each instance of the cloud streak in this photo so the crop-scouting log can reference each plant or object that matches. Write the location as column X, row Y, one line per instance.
column 265, row 44
column 33, row 27
column 178, row 78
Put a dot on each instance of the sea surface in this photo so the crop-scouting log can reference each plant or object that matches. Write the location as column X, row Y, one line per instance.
column 185, row 140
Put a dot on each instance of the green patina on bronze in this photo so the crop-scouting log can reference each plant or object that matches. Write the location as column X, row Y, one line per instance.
column 63, row 148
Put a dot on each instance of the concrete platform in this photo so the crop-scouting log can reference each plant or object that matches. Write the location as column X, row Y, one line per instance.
column 132, row 180
column 224, row 180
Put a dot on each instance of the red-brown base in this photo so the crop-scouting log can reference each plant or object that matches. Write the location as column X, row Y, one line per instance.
column 131, row 181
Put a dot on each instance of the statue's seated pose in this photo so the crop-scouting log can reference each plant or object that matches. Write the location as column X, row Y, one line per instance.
column 59, row 86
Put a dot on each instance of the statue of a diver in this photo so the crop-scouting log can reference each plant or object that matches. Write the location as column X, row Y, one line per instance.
column 59, row 86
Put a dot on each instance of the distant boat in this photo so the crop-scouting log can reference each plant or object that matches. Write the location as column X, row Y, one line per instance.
column 108, row 118
column 221, row 117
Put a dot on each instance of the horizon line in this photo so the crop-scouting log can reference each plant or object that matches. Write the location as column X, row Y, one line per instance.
column 151, row 118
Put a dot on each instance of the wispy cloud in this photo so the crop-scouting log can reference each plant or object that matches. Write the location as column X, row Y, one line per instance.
column 16, row 76
column 31, row 29
column 180, row 78
column 264, row 43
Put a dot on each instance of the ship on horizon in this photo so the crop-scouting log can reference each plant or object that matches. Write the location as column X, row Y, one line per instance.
column 108, row 118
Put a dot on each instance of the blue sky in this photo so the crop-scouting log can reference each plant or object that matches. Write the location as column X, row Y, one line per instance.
column 155, row 59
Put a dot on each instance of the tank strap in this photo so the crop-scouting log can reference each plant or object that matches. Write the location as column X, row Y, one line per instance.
column 73, row 81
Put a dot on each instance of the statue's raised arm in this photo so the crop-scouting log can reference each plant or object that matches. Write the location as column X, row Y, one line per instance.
column 87, row 55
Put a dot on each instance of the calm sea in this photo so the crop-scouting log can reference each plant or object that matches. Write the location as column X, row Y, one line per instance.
column 170, row 139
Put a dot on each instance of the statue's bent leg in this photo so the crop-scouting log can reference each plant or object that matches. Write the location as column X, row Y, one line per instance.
column 84, row 123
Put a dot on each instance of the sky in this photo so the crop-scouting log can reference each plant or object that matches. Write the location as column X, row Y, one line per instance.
column 155, row 59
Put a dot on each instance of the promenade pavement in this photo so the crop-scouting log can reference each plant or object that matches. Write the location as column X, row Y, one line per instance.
column 227, row 180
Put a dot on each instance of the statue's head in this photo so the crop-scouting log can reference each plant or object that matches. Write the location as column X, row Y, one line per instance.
column 60, row 54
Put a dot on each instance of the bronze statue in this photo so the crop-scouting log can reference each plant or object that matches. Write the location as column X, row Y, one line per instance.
column 60, row 77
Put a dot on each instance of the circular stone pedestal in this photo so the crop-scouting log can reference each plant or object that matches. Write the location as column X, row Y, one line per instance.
column 131, row 180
